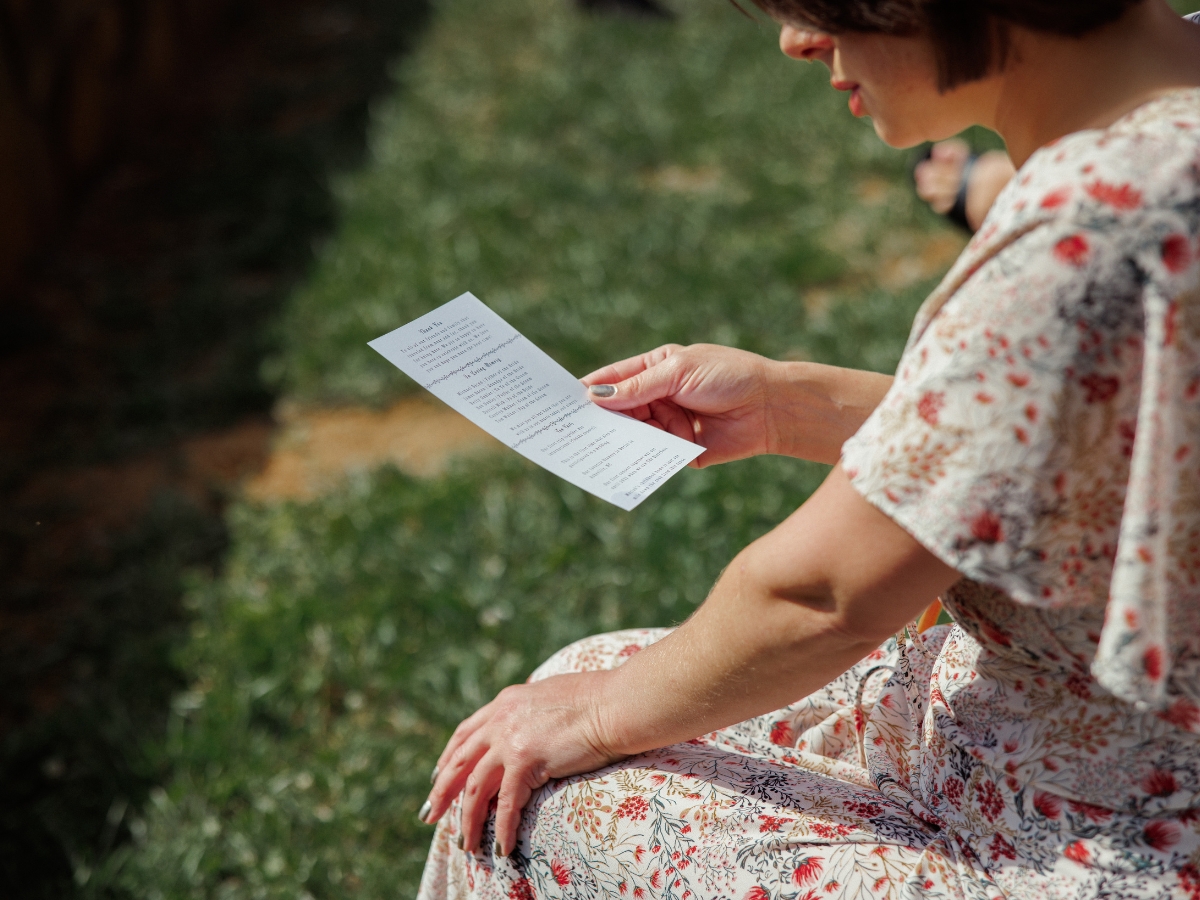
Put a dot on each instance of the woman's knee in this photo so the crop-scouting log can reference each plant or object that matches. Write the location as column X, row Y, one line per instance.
column 599, row 652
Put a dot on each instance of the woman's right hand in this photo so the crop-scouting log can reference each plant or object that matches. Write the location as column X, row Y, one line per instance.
column 714, row 396
column 738, row 404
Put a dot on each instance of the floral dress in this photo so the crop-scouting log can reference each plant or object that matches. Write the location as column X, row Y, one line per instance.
column 1042, row 437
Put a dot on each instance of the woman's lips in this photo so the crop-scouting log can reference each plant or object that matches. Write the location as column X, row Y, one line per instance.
column 856, row 102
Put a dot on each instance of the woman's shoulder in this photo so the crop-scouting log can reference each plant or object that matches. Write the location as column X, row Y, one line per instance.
column 1103, row 197
column 1117, row 207
column 1146, row 162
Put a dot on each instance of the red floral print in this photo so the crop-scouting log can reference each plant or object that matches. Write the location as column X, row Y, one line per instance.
column 1152, row 660
column 808, row 871
column 1189, row 880
column 781, row 733
column 1161, row 835
column 929, row 405
column 991, row 804
column 1119, row 196
column 1183, row 713
column 1001, row 848
column 1078, row 852
column 562, row 874
column 1160, row 783
column 1090, row 811
column 821, row 829
column 1056, row 198
column 1049, row 805
column 633, row 807
column 1176, row 253
column 953, row 788
column 986, row 527
column 1072, row 250
column 1100, row 388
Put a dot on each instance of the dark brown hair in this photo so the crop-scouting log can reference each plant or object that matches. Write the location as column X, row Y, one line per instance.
column 970, row 37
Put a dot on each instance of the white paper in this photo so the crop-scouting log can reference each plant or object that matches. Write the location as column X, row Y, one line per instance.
column 481, row 366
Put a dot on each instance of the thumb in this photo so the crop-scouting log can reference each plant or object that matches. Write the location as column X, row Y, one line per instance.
column 658, row 382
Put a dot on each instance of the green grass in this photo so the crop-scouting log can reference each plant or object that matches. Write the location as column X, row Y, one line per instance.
column 349, row 636
column 606, row 185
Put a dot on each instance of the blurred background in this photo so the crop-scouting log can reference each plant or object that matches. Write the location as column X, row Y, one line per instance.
column 249, row 578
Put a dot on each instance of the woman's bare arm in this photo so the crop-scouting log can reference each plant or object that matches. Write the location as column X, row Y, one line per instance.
column 793, row 611
column 740, row 404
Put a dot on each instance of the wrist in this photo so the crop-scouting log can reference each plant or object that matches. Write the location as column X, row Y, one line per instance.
column 811, row 409
column 797, row 408
column 609, row 716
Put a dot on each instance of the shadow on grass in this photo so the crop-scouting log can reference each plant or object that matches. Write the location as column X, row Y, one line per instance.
column 130, row 367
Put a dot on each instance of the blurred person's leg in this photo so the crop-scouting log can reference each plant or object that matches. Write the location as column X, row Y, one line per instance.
column 959, row 185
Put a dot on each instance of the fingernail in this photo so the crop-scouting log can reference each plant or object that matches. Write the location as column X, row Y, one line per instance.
column 426, row 809
column 497, row 850
column 460, row 842
column 434, row 774
column 603, row 390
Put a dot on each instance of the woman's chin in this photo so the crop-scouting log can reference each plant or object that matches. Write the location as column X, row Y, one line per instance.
column 898, row 137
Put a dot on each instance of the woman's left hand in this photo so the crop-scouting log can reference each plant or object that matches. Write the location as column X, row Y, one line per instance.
column 529, row 734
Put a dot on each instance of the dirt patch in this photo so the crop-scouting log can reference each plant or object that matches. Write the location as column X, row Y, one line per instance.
column 308, row 452
column 905, row 261
column 316, row 449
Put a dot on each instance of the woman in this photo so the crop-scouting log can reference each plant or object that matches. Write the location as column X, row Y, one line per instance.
column 1035, row 462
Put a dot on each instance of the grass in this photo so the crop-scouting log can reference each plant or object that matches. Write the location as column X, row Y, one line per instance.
column 349, row 636
column 607, row 185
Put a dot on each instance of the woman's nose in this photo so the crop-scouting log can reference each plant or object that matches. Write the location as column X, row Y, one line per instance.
column 800, row 43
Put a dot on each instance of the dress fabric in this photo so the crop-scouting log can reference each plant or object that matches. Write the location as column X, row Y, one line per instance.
column 1043, row 438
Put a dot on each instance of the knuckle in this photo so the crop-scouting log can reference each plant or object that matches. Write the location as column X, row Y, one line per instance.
column 508, row 697
column 520, row 751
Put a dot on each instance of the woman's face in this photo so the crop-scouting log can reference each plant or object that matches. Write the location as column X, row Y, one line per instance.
column 894, row 81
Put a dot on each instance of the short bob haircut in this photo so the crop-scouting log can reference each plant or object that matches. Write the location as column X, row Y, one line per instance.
column 970, row 37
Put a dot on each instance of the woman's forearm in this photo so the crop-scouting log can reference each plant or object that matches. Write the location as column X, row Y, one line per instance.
column 744, row 653
column 792, row 612
column 812, row 409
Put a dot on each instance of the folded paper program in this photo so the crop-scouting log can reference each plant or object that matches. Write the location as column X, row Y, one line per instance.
column 481, row 366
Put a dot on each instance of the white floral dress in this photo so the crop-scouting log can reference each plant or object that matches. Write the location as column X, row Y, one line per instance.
column 1043, row 438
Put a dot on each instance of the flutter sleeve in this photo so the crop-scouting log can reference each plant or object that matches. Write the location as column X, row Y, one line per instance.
column 1041, row 438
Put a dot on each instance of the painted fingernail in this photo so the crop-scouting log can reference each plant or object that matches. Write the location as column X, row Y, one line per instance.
column 497, row 850
column 603, row 390
column 434, row 774
column 460, row 842
column 426, row 809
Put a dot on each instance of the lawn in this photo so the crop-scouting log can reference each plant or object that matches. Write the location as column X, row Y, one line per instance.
column 607, row 185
